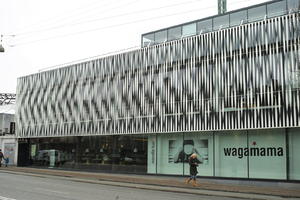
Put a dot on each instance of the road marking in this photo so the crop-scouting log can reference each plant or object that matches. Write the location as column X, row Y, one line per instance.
column 6, row 198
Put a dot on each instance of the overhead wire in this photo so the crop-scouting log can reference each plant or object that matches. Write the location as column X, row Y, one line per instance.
column 60, row 18
column 104, row 18
column 115, row 25
column 92, row 20
column 105, row 27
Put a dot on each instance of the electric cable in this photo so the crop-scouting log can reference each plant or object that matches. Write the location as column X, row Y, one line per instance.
column 115, row 25
column 59, row 18
column 104, row 18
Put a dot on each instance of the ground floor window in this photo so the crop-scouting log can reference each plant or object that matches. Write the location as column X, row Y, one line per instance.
column 267, row 157
column 294, row 154
column 120, row 153
column 229, row 162
column 258, row 154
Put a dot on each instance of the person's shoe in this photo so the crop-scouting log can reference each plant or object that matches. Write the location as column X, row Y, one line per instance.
column 187, row 181
column 195, row 184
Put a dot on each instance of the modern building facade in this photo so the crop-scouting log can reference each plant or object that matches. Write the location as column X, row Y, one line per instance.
column 226, row 87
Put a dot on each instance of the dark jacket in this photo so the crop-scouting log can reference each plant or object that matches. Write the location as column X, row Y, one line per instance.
column 1, row 156
column 193, row 166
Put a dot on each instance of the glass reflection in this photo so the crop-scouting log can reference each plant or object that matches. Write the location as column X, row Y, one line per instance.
column 204, row 26
column 276, row 9
column 256, row 13
column 174, row 33
column 221, row 22
column 188, row 30
column 104, row 153
column 238, row 18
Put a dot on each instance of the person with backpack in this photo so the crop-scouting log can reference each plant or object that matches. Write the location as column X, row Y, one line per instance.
column 1, row 157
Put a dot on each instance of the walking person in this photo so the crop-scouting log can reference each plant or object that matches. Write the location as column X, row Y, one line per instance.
column 6, row 159
column 1, row 157
column 193, row 162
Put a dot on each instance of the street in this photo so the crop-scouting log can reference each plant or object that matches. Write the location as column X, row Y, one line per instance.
column 22, row 187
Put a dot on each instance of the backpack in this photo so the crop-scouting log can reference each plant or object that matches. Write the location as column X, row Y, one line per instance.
column 1, row 155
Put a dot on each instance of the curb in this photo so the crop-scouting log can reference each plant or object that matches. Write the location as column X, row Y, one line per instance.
column 155, row 187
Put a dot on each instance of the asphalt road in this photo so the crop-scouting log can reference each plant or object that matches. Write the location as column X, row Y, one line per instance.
column 26, row 187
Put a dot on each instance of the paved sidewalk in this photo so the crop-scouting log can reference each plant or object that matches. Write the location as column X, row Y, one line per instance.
column 215, row 187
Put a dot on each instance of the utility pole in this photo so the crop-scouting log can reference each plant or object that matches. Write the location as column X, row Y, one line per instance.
column 222, row 6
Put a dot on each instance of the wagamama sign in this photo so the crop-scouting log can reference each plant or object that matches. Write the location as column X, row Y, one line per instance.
column 253, row 151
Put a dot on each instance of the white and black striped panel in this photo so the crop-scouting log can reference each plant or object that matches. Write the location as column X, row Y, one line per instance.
column 243, row 77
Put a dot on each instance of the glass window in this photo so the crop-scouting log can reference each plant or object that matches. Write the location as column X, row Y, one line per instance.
column 238, row 18
column 276, row 9
column 230, row 158
column 267, row 154
column 148, row 39
column 221, row 22
column 151, row 158
column 170, row 153
column 160, row 37
column 188, row 30
column 9, row 152
column 53, row 152
column 204, row 26
column 256, row 13
column 130, row 153
column 294, row 152
column 202, row 145
column 293, row 5
column 174, row 33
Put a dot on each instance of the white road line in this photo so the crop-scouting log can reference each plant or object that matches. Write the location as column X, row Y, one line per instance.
column 6, row 198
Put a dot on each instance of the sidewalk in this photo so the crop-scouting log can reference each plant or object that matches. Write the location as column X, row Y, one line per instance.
column 215, row 187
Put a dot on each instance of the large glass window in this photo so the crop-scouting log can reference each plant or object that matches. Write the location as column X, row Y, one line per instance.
column 148, row 39
column 202, row 145
column 242, row 154
column 104, row 153
column 204, row 26
column 293, row 5
column 171, row 154
column 160, row 37
column 230, row 158
column 267, row 154
column 189, row 29
column 174, row 33
column 238, row 18
column 294, row 152
column 152, row 154
column 256, row 13
column 53, row 152
column 139, row 147
column 221, row 22
column 129, row 153
column 276, row 9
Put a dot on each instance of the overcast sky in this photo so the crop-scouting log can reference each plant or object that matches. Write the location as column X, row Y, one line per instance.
column 53, row 32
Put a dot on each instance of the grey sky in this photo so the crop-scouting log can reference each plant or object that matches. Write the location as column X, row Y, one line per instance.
column 53, row 32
